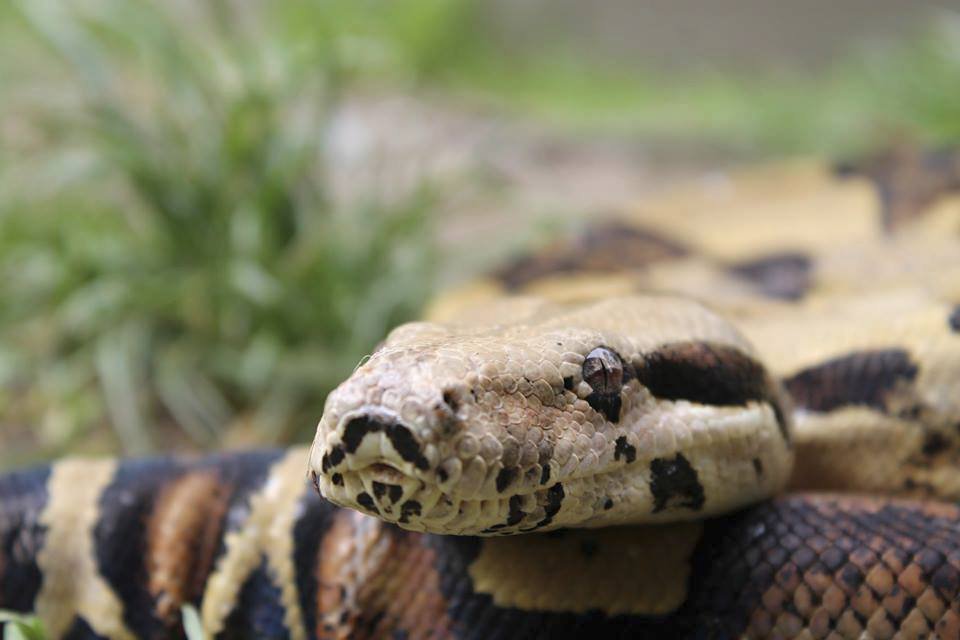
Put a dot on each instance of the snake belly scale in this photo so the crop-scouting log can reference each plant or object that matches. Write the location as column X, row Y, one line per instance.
column 732, row 413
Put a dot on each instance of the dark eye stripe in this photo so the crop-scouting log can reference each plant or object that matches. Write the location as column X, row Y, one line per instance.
column 709, row 373
column 704, row 373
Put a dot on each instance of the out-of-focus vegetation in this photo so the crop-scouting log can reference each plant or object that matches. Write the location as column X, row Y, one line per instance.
column 21, row 627
column 170, row 253
column 173, row 263
column 18, row 626
column 908, row 89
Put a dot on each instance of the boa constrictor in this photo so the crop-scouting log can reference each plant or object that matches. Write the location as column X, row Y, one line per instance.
column 733, row 413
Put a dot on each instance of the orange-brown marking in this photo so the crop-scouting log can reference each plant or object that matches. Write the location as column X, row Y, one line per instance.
column 892, row 583
column 182, row 537
column 374, row 579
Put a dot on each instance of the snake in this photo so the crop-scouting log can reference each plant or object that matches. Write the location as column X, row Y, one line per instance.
column 732, row 411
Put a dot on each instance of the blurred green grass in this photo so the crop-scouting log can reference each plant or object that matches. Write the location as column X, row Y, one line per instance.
column 907, row 89
column 170, row 252
column 173, row 266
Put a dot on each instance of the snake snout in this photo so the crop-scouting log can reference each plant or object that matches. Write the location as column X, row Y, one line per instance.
column 376, row 438
column 371, row 460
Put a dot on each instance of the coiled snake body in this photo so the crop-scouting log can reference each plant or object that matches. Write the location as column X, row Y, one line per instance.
column 734, row 414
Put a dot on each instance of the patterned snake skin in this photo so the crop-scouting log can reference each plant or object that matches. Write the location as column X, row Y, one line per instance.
column 849, row 365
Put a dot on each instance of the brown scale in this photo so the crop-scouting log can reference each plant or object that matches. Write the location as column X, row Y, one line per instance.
column 842, row 567
column 374, row 579
column 183, row 534
column 607, row 247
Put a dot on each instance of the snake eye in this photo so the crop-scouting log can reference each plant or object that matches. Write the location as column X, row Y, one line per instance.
column 603, row 371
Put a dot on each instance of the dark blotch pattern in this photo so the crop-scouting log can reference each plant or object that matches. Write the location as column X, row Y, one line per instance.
column 313, row 523
column 410, row 508
column 23, row 496
column 612, row 246
column 674, row 483
column 859, row 378
column 357, row 429
column 607, row 404
column 400, row 436
column 365, row 501
column 331, row 459
column 505, row 477
column 259, row 612
column 953, row 320
column 704, row 373
column 814, row 563
column 623, row 450
column 392, row 491
column 553, row 500
column 516, row 514
column 934, row 443
column 784, row 276
column 709, row 373
column 555, row 495
column 120, row 540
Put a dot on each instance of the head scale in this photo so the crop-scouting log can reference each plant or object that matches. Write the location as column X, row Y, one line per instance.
column 536, row 425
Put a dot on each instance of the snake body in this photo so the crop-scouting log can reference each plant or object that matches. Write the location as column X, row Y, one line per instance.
column 733, row 414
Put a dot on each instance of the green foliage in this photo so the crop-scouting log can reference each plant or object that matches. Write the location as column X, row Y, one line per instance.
column 170, row 249
column 192, row 626
column 20, row 627
column 908, row 89
column 175, row 264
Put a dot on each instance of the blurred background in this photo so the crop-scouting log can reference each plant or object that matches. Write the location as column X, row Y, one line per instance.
column 210, row 210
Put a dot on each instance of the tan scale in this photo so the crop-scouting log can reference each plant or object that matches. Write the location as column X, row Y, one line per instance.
column 584, row 570
column 513, row 411
column 266, row 533
column 881, row 274
column 72, row 584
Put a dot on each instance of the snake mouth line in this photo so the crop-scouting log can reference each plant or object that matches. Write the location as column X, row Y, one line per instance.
column 382, row 490
column 401, row 496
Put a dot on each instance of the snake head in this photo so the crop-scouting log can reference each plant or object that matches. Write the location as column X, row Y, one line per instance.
column 551, row 421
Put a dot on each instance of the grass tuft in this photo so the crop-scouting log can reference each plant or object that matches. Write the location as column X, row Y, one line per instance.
column 174, row 262
column 17, row 626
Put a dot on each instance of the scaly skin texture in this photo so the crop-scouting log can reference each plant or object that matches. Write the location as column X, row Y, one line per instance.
column 800, row 566
column 564, row 395
column 627, row 411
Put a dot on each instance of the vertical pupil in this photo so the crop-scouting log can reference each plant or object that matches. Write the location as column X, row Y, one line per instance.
column 603, row 371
